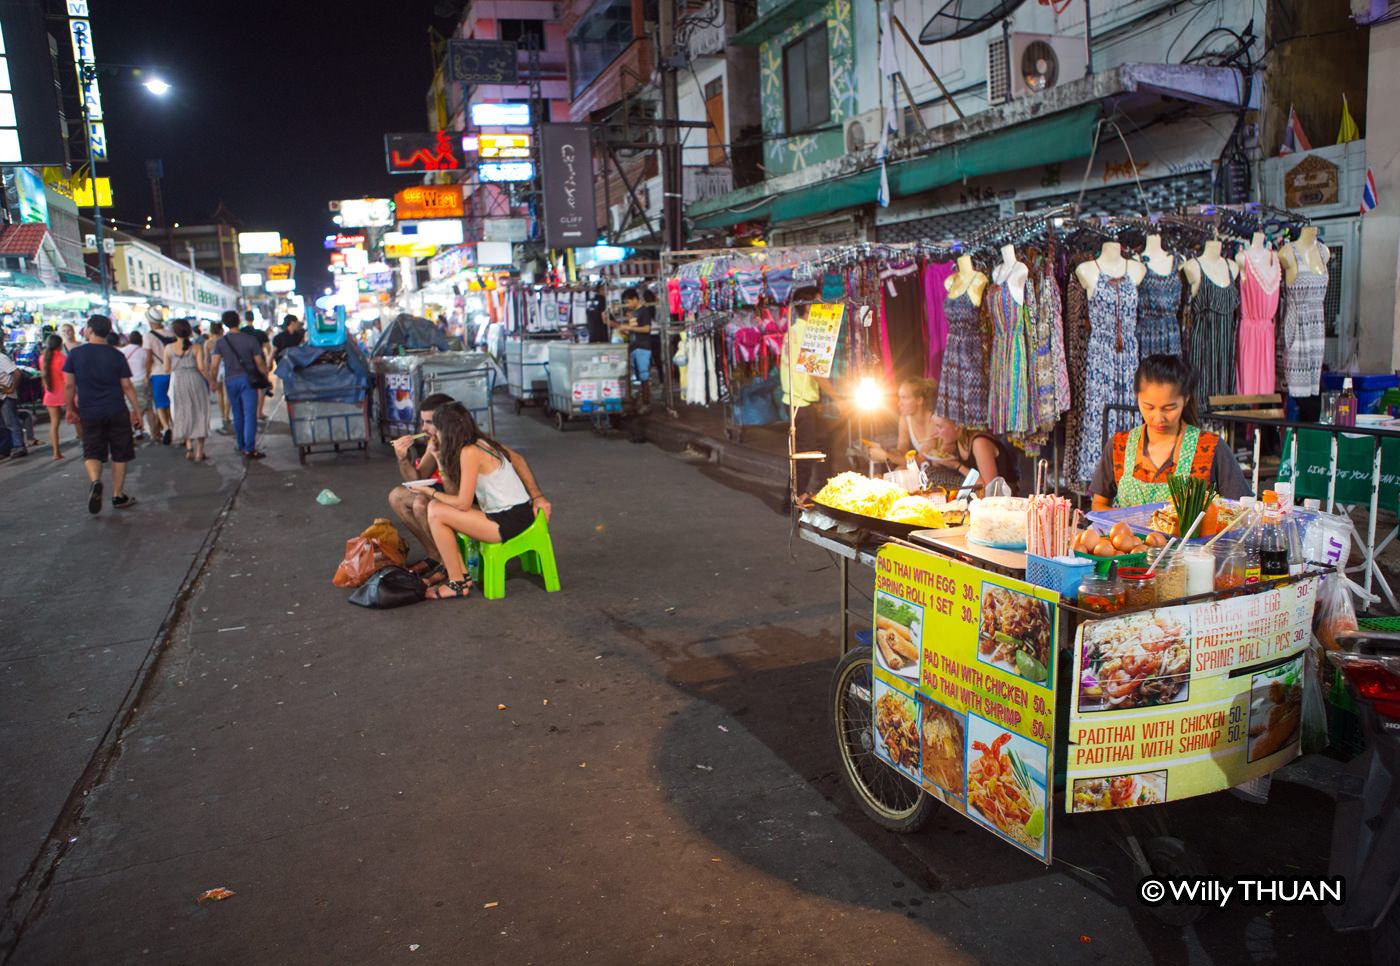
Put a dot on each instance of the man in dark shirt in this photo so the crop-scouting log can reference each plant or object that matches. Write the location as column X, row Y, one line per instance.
column 595, row 314
column 243, row 358
column 293, row 334
column 98, row 394
column 639, row 335
column 265, row 349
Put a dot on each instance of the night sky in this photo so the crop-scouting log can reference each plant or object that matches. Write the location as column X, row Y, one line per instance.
column 276, row 108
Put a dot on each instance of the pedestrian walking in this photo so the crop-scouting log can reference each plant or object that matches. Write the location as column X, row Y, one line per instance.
column 156, row 341
column 100, row 379
column 216, row 378
column 51, row 362
column 245, row 377
column 189, row 390
column 265, row 350
column 11, row 430
column 138, row 359
column 69, row 336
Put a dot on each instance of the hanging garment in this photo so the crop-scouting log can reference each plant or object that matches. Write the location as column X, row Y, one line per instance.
column 1111, row 362
column 903, row 331
column 1159, row 312
column 935, row 294
column 1260, row 275
column 711, row 371
column 780, row 284
column 962, row 387
column 1045, row 350
column 673, row 297
column 1215, row 312
column 750, row 286
column 1304, row 333
column 1052, row 315
column 1008, row 376
column 1077, row 356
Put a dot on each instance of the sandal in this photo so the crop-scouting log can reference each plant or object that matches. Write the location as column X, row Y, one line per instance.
column 425, row 566
column 457, row 588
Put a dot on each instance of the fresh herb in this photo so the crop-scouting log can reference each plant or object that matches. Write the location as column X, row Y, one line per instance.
column 896, row 610
column 1190, row 495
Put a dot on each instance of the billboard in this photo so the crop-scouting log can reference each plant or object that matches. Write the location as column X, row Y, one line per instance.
column 500, row 115
column 33, row 200
column 29, row 121
column 364, row 212
column 566, row 166
column 429, row 201
column 436, row 231
column 259, row 242
column 482, row 61
column 497, row 171
column 415, row 153
column 497, row 146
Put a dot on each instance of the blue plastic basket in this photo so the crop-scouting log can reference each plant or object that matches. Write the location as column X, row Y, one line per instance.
column 1060, row 574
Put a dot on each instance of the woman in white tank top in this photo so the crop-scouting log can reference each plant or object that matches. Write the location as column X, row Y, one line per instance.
column 475, row 468
column 916, row 424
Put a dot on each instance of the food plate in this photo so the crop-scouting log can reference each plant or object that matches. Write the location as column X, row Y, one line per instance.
column 898, row 635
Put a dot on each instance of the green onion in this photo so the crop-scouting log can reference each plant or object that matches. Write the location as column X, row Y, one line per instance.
column 1190, row 496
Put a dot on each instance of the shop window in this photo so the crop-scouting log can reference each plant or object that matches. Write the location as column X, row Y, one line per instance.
column 521, row 31
column 807, row 82
column 598, row 39
column 714, row 113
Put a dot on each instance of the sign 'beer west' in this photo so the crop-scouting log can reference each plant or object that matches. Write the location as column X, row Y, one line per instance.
column 416, row 153
column 429, row 201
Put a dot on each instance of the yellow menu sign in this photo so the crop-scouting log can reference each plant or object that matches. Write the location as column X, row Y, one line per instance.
column 1182, row 701
column 819, row 336
column 964, row 690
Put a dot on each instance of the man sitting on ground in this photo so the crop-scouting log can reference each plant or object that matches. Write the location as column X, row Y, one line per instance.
column 410, row 504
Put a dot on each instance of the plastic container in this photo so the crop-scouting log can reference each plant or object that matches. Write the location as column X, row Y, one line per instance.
column 1101, row 593
column 1060, row 574
column 1369, row 387
column 1200, row 571
column 1102, row 564
column 998, row 521
column 1229, row 568
column 1139, row 587
column 1171, row 579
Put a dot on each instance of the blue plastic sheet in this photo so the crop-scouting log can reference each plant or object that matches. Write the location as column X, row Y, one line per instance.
column 324, row 374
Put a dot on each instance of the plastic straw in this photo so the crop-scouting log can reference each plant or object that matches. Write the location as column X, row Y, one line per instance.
column 1160, row 557
column 1187, row 535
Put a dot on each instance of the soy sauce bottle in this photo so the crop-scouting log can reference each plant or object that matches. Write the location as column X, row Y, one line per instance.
column 1273, row 547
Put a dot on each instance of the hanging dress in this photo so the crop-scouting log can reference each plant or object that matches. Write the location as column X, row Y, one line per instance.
column 1304, row 330
column 1077, row 356
column 962, row 388
column 1260, row 274
column 1111, row 362
column 1159, row 312
column 1212, row 339
column 1009, row 397
column 935, row 293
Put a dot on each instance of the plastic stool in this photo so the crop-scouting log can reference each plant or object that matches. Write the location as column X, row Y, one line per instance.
column 533, row 547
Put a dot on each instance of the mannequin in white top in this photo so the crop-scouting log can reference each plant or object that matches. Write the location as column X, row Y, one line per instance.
column 966, row 279
column 1012, row 274
column 1110, row 263
column 1156, row 257
column 1307, row 254
column 1210, row 264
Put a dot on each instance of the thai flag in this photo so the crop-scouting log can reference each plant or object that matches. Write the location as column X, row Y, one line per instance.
column 1369, row 198
column 1293, row 137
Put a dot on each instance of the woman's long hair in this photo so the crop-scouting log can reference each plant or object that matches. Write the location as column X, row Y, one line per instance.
column 183, row 332
column 1174, row 371
column 51, row 345
column 456, row 431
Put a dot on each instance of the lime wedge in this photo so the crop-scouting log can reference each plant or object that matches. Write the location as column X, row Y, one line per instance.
column 1035, row 825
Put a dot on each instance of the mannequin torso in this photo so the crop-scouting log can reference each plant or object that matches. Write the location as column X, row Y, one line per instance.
column 1157, row 258
column 966, row 280
column 1210, row 264
column 1306, row 254
column 1012, row 274
column 1110, row 263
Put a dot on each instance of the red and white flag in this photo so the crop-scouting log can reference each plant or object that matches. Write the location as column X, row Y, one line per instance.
column 1293, row 137
column 1369, row 197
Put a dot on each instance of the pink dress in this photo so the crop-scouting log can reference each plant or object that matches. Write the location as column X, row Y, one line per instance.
column 57, row 395
column 1259, row 291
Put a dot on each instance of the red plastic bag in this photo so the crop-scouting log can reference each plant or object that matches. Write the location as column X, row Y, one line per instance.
column 363, row 557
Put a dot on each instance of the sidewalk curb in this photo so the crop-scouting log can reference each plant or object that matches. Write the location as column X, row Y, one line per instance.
column 27, row 900
column 673, row 435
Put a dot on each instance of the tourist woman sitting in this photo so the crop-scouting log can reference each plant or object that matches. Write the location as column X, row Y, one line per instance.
column 474, row 468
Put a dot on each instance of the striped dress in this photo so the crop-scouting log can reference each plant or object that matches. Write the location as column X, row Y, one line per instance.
column 1009, row 378
column 1304, row 334
column 962, row 388
column 1215, row 323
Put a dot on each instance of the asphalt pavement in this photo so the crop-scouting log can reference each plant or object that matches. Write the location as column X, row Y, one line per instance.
column 636, row 769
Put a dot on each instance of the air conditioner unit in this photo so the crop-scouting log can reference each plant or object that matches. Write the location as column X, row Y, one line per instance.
column 863, row 130
column 1022, row 64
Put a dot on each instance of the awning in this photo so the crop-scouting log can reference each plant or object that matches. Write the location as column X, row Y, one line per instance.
column 1059, row 137
column 20, row 280
column 73, row 280
column 776, row 21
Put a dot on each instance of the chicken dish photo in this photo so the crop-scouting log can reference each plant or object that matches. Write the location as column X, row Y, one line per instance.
column 1138, row 661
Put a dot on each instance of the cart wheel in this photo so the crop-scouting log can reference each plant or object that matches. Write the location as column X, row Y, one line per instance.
column 559, row 420
column 301, row 454
column 882, row 793
column 1172, row 857
column 519, row 405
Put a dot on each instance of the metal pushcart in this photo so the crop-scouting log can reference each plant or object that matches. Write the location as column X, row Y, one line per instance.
column 406, row 380
column 527, row 370
column 587, row 380
column 320, row 425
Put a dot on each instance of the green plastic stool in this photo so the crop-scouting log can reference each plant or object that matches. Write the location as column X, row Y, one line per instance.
column 533, row 547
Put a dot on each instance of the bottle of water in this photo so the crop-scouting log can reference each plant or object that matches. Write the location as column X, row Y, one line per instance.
column 474, row 561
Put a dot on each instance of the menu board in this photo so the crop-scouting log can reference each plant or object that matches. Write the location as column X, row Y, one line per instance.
column 1186, row 700
column 964, row 690
column 820, row 332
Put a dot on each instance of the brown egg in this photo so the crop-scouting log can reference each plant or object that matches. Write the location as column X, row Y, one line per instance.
column 1119, row 530
column 1104, row 548
column 1087, row 539
column 1123, row 541
column 1155, row 539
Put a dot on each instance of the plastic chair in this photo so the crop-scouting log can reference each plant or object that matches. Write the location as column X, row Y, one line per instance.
column 533, row 547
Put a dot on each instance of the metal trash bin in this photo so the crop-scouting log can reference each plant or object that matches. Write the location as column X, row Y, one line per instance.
column 527, row 370
column 406, row 380
column 318, row 424
column 587, row 379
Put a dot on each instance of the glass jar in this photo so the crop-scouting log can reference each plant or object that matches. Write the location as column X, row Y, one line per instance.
column 1139, row 587
column 1101, row 593
column 1171, row 578
column 1230, row 567
column 1200, row 571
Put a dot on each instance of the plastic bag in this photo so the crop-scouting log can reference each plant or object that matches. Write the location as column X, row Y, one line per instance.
column 1333, row 613
column 390, row 587
column 385, row 532
column 363, row 557
column 1314, row 710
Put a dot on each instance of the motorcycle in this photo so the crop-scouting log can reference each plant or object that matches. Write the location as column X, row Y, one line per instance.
column 1366, row 829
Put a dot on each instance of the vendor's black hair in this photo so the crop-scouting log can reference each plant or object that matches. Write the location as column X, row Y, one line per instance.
column 1174, row 371
column 629, row 293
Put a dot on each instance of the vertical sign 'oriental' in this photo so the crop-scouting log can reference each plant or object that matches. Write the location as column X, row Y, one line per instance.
column 566, row 170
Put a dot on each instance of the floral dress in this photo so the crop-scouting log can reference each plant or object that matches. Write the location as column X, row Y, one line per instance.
column 1111, row 362
column 1159, row 312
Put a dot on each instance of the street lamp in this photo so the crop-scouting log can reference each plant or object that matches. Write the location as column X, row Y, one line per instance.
column 89, row 74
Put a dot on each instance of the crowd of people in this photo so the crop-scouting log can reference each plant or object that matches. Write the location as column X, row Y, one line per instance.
column 157, row 386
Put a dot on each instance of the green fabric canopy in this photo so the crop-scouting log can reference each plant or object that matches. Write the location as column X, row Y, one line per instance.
column 1059, row 137
column 776, row 21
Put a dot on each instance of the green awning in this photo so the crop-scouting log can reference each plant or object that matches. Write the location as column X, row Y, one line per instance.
column 20, row 280
column 776, row 21
column 1059, row 137
column 76, row 281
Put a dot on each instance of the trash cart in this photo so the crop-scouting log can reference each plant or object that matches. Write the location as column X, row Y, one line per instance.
column 587, row 380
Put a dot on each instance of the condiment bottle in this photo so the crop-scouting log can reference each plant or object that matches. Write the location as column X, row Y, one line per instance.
column 1139, row 587
column 1171, row 578
column 1273, row 546
column 1200, row 571
column 1101, row 593
column 1229, row 568
column 1346, row 405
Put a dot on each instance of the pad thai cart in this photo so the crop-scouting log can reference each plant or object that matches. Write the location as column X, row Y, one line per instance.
column 587, row 380
column 1013, row 705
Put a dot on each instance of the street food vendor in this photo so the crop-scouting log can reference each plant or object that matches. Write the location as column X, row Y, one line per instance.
column 916, row 424
column 1135, row 469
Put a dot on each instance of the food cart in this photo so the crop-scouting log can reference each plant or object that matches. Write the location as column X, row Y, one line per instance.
column 587, row 379
column 527, row 369
column 975, row 686
column 326, row 390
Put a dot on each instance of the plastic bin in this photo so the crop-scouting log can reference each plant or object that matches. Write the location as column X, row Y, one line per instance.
column 1369, row 387
column 1060, row 574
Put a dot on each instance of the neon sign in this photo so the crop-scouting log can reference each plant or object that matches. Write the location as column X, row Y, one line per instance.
column 415, row 153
